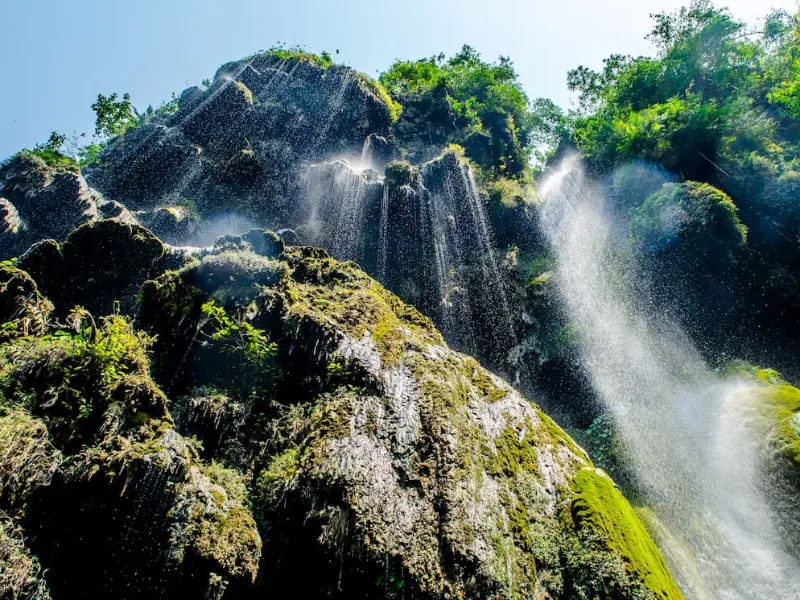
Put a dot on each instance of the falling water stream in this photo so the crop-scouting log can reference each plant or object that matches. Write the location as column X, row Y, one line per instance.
column 680, row 423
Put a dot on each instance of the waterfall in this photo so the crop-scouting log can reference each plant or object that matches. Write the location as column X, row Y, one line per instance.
column 383, row 235
column 428, row 239
column 680, row 423
column 336, row 195
column 473, row 310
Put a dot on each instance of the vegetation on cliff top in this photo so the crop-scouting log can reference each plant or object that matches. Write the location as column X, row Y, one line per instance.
column 465, row 100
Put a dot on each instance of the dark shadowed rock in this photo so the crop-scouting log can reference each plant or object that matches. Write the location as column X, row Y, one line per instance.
column 97, row 266
column 40, row 201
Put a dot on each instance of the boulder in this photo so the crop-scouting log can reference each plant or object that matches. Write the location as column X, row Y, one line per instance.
column 99, row 265
column 108, row 485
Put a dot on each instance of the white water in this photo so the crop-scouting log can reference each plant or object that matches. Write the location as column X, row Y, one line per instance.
column 681, row 425
column 455, row 219
column 335, row 193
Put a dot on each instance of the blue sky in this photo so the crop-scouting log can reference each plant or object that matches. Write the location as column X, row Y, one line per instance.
column 57, row 55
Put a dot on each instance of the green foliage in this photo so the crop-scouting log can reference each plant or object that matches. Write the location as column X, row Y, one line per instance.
column 239, row 337
column 718, row 104
column 252, row 353
column 75, row 371
column 113, row 116
column 465, row 95
column 377, row 88
column 159, row 113
column 54, row 142
column 510, row 193
column 282, row 52
column 90, row 154
column 51, row 152
column 550, row 127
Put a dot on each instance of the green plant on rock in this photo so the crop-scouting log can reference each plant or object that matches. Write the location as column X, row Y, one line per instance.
column 238, row 336
column 21, row 576
column 71, row 376
column 249, row 347
column 52, row 152
column 466, row 100
column 378, row 89
column 283, row 52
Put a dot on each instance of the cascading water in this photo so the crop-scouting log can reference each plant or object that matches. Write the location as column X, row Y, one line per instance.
column 465, row 274
column 425, row 234
column 383, row 235
column 682, row 426
column 336, row 195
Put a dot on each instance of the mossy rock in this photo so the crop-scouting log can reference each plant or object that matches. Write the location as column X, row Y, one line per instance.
column 22, row 575
column 599, row 507
column 93, row 467
column 767, row 408
column 23, row 310
column 399, row 173
column 41, row 200
column 407, row 446
column 695, row 216
column 357, row 446
column 100, row 266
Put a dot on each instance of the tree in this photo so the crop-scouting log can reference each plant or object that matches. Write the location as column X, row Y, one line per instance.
column 113, row 116
column 53, row 143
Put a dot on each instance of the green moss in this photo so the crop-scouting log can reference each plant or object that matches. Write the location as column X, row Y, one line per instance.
column 376, row 88
column 21, row 576
column 599, row 507
column 231, row 480
column 695, row 214
column 230, row 539
column 776, row 412
column 399, row 173
column 278, row 473
column 53, row 158
column 27, row 458
column 559, row 436
column 513, row 454
column 71, row 378
column 339, row 295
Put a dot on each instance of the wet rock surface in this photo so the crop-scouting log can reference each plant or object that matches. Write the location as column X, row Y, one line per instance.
column 264, row 411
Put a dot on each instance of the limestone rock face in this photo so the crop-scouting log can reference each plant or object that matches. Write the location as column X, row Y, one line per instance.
column 39, row 201
column 240, row 144
column 274, row 413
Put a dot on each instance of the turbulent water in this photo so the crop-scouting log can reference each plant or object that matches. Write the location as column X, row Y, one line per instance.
column 681, row 424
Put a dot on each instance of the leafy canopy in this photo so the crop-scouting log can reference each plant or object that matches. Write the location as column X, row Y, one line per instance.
column 719, row 103
column 465, row 96
column 113, row 116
